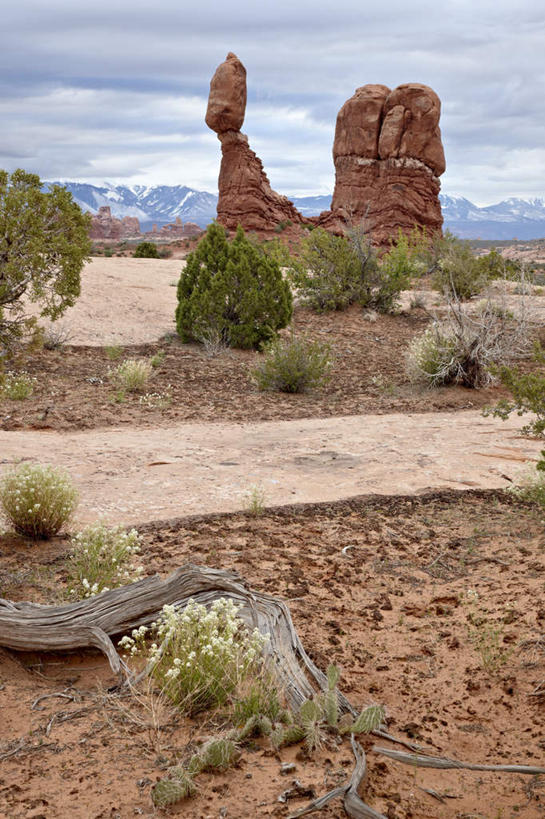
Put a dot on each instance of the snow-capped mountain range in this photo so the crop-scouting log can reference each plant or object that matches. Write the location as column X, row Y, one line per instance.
column 161, row 204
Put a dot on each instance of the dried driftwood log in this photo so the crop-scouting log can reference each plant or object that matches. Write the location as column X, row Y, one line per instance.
column 95, row 621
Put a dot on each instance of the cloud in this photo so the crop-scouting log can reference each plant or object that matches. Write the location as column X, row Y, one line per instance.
column 118, row 91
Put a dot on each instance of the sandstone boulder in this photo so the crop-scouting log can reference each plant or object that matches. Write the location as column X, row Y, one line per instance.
column 227, row 99
column 359, row 122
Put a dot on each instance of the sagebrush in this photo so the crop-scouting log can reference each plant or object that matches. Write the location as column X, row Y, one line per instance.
column 294, row 365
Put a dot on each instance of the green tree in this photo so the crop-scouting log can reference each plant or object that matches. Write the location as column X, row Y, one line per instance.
column 231, row 292
column 146, row 250
column 44, row 242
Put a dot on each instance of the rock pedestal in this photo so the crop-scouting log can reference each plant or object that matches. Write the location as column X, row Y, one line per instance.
column 245, row 194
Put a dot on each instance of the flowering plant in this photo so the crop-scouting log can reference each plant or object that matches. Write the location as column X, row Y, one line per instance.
column 37, row 500
column 102, row 558
column 200, row 656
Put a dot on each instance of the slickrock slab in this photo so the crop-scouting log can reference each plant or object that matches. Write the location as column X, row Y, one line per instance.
column 136, row 475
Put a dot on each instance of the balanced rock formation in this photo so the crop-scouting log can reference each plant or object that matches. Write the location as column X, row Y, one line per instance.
column 245, row 194
column 387, row 151
column 388, row 158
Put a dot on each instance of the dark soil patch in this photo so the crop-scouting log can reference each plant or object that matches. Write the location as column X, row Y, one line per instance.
column 74, row 392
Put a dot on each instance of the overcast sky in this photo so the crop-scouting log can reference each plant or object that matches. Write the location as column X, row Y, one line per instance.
column 117, row 90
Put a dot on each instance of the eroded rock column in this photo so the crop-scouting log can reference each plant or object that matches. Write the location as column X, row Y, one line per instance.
column 388, row 158
column 245, row 194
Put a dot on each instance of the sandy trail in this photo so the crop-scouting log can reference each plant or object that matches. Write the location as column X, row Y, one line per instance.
column 123, row 301
column 136, row 475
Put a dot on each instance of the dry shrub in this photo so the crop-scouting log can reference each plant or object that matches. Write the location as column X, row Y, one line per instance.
column 466, row 346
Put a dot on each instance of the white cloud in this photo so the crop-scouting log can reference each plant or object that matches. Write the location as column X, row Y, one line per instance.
column 119, row 90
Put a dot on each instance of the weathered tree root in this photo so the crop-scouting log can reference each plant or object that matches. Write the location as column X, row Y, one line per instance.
column 351, row 801
column 94, row 621
column 444, row 763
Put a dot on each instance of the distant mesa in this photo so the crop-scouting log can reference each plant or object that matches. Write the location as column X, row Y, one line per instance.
column 106, row 226
column 387, row 152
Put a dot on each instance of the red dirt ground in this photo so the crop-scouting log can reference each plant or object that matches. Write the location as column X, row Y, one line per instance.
column 392, row 611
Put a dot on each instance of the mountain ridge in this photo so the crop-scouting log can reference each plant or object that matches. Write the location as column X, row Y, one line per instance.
column 511, row 218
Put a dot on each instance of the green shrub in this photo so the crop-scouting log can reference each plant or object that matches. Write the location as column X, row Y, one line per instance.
column 146, row 250
column 207, row 653
column 37, row 500
column 17, row 386
column 255, row 501
column 293, row 365
column 458, row 273
column 108, row 252
column 528, row 391
column 131, row 375
column 329, row 275
column 335, row 271
column 157, row 359
column 232, row 292
column 102, row 559
column 530, row 485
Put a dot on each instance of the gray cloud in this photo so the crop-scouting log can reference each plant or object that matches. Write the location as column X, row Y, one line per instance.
column 118, row 91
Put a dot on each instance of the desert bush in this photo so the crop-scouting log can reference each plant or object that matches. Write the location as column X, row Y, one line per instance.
column 131, row 375
column 333, row 272
column 17, row 386
column 205, row 654
column 255, row 501
column 293, row 365
column 528, row 391
column 459, row 274
column 102, row 558
column 530, row 485
column 146, row 250
column 55, row 337
column 329, row 274
column 230, row 291
column 114, row 351
column 37, row 500
column 465, row 347
column 157, row 359
column 44, row 242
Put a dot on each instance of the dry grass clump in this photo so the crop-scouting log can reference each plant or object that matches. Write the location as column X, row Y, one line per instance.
column 131, row 375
